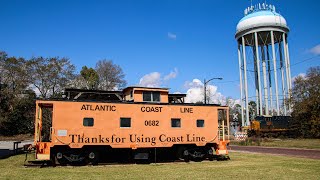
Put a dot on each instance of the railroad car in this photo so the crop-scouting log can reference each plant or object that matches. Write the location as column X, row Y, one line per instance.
column 137, row 123
column 271, row 126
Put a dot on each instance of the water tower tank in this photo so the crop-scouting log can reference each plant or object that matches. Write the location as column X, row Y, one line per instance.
column 264, row 65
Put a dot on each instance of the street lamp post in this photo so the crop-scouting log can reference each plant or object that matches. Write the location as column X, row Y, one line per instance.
column 205, row 87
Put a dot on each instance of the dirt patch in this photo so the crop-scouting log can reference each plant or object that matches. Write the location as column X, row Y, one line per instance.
column 306, row 153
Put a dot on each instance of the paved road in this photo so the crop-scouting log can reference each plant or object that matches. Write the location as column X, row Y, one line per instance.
column 306, row 153
column 6, row 147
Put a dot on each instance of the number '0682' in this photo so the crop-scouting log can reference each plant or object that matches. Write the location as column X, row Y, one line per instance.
column 151, row 123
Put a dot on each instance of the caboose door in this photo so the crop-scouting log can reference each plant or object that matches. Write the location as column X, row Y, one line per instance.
column 43, row 123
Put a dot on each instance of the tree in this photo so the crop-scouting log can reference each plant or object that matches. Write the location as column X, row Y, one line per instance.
column 16, row 101
column 252, row 110
column 12, row 83
column 13, row 73
column 306, row 103
column 50, row 75
column 110, row 75
column 19, row 119
column 90, row 77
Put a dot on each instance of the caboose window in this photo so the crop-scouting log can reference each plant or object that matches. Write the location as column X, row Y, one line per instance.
column 200, row 123
column 146, row 96
column 88, row 121
column 125, row 122
column 156, row 96
column 175, row 123
column 151, row 96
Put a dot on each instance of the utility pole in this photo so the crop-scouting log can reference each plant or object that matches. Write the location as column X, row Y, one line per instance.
column 205, row 87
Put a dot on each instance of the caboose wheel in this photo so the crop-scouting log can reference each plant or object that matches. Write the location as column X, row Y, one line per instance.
column 186, row 156
column 93, row 157
column 182, row 153
column 210, row 154
column 60, row 159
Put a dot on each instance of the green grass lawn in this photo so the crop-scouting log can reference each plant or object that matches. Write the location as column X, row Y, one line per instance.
column 288, row 143
column 241, row 166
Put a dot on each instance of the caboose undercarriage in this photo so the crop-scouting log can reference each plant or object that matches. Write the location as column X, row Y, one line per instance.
column 94, row 154
column 64, row 155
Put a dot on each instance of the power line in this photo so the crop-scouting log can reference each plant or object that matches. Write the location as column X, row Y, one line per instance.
column 308, row 59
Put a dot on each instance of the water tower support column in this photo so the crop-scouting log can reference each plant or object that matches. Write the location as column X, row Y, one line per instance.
column 269, row 79
column 282, row 80
column 245, row 79
column 275, row 73
column 286, row 62
column 241, row 81
column 288, row 78
column 258, row 71
column 290, row 82
column 256, row 80
column 265, row 87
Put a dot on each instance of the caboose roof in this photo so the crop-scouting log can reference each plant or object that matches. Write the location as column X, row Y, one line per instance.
column 84, row 94
column 117, row 96
column 146, row 88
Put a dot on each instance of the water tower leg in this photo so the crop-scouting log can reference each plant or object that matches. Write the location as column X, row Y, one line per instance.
column 288, row 79
column 286, row 64
column 241, row 87
column 290, row 82
column 282, row 80
column 265, row 87
column 269, row 80
column 245, row 79
column 256, row 80
column 275, row 73
column 258, row 70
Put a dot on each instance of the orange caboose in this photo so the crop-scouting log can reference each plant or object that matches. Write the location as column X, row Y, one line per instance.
column 136, row 123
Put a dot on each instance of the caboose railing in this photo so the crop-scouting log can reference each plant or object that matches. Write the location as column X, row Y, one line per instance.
column 223, row 124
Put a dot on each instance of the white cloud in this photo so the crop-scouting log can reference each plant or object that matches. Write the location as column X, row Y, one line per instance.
column 155, row 79
column 315, row 50
column 151, row 80
column 193, row 84
column 195, row 93
column 232, row 102
column 171, row 75
column 172, row 36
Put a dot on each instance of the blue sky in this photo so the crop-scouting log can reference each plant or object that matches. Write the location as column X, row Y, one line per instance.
column 172, row 41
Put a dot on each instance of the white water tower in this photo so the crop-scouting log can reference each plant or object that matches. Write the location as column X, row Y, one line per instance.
column 264, row 62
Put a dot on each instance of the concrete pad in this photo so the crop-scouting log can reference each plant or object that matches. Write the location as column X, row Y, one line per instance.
column 6, row 147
